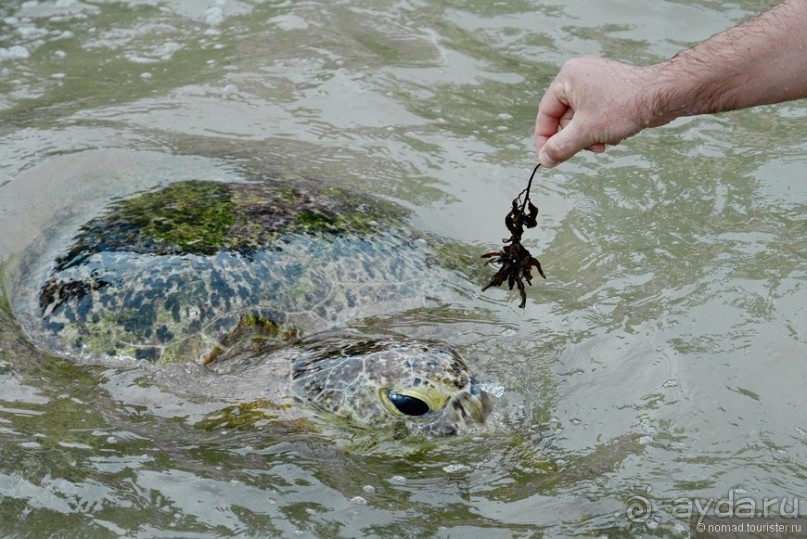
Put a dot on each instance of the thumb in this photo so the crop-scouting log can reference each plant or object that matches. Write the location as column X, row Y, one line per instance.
column 563, row 145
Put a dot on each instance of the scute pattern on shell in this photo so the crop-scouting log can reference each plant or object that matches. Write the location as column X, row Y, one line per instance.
column 140, row 286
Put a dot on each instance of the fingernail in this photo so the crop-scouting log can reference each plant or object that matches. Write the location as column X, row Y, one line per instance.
column 546, row 161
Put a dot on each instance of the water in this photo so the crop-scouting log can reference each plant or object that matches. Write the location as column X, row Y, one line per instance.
column 661, row 363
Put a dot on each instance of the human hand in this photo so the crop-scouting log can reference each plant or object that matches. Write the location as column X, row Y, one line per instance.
column 592, row 103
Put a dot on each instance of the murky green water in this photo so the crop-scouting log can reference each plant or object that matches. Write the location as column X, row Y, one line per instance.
column 663, row 359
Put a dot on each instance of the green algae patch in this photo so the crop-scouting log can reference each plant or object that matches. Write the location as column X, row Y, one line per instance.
column 203, row 218
column 193, row 217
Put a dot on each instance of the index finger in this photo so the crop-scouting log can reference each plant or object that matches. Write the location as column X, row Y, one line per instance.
column 551, row 109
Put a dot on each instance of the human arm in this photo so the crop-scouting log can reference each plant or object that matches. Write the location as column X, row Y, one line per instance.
column 594, row 102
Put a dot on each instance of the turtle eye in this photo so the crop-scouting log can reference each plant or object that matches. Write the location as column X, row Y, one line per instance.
column 408, row 405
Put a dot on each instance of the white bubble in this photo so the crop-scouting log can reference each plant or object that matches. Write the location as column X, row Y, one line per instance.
column 494, row 390
column 214, row 16
column 456, row 468
column 16, row 52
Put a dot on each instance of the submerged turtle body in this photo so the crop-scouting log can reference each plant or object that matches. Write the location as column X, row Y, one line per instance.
column 232, row 274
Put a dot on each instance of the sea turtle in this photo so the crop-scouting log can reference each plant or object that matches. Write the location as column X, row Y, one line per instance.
column 258, row 275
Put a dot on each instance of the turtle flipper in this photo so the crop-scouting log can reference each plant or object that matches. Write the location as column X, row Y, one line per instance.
column 253, row 336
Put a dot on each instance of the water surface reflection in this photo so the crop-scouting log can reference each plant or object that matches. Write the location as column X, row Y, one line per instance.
column 662, row 358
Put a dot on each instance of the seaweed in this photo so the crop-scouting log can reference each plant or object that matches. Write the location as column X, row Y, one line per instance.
column 516, row 261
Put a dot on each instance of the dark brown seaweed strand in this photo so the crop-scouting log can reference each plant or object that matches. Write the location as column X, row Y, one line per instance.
column 516, row 261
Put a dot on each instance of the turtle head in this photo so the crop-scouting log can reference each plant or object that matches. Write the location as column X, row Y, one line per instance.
column 383, row 382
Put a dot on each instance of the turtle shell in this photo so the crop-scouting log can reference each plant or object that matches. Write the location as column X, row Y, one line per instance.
column 177, row 272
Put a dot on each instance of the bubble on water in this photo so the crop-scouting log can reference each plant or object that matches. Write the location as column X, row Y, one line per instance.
column 644, row 440
column 397, row 479
column 494, row 390
column 145, row 75
column 369, row 489
column 646, row 426
column 161, row 53
column 456, row 468
column 214, row 15
column 505, row 116
column 358, row 500
column 16, row 52
column 290, row 22
column 669, row 383
column 30, row 32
